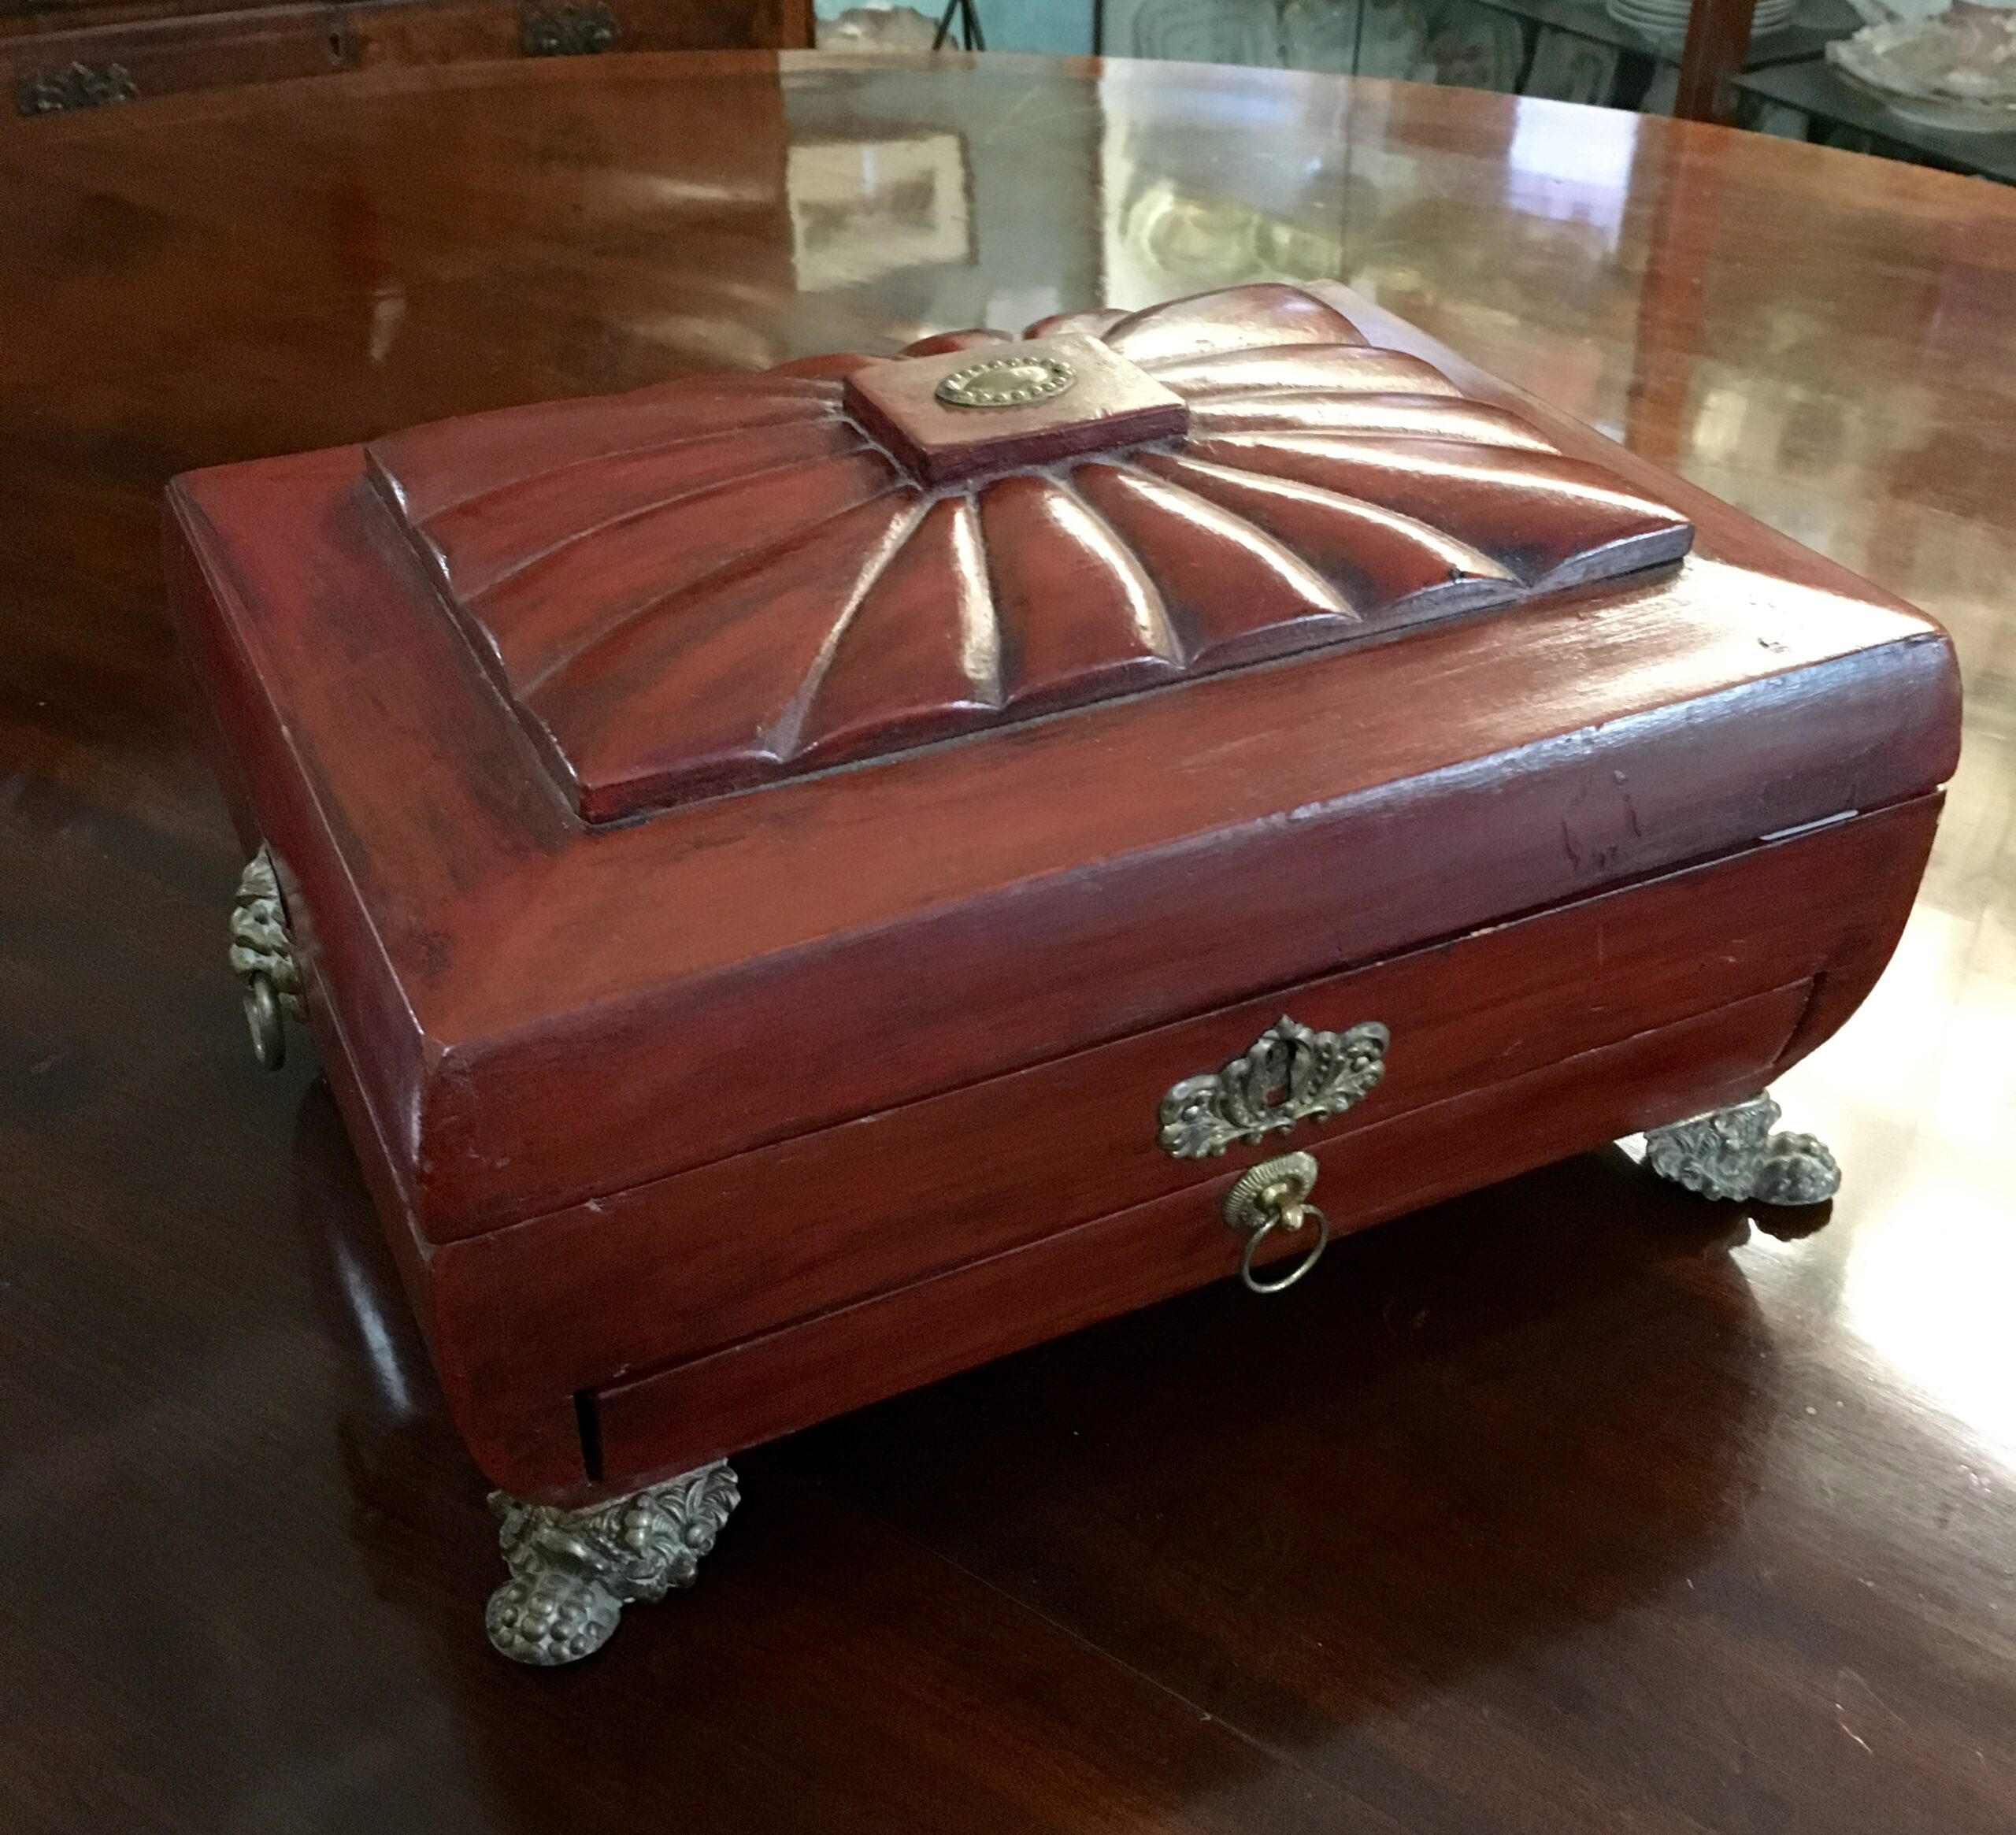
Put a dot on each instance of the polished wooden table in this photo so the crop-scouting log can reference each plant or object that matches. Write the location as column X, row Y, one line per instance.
column 1573, row 1506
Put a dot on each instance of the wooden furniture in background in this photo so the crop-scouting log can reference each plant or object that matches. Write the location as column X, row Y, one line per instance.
column 1717, row 43
column 60, row 55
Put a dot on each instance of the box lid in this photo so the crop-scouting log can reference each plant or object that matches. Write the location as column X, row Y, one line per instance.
column 726, row 581
column 940, row 754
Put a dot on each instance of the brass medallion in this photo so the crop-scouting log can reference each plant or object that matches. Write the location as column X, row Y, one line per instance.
column 1006, row 382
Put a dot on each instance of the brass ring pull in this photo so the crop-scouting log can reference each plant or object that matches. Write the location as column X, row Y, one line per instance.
column 262, row 1015
column 1290, row 1218
column 1272, row 1196
column 263, row 958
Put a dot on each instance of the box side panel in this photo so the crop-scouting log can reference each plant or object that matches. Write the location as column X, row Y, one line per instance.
column 393, row 796
column 272, row 800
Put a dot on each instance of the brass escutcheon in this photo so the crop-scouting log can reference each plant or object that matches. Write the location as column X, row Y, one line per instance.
column 1291, row 1072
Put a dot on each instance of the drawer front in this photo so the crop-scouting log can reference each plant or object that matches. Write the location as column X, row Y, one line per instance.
column 62, row 72
column 575, row 1300
column 713, row 1406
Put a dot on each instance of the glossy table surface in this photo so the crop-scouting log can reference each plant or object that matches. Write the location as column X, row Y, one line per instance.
column 1571, row 1507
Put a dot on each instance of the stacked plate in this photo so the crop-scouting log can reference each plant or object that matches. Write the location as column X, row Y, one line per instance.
column 1667, row 19
column 1955, row 70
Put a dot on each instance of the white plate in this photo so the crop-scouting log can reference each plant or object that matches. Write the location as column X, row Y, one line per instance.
column 1674, row 25
column 1955, row 118
column 1655, row 12
column 1767, row 20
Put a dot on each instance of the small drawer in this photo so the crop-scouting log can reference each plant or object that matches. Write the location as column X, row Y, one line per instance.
column 704, row 1408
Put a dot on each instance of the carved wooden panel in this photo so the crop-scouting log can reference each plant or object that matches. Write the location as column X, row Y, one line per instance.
column 716, row 582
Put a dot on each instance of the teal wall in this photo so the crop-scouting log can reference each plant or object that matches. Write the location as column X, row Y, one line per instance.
column 1062, row 26
column 1037, row 25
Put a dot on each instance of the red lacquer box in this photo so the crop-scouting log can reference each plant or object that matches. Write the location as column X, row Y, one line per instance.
column 804, row 881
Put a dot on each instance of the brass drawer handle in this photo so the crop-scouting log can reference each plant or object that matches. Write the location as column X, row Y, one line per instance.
column 262, row 958
column 1287, row 1075
column 1273, row 1196
column 567, row 30
column 79, row 86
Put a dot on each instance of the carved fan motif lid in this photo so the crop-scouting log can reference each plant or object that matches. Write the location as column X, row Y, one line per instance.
column 731, row 579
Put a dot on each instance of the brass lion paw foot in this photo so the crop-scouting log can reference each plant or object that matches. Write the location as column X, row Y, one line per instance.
column 573, row 1571
column 1731, row 1152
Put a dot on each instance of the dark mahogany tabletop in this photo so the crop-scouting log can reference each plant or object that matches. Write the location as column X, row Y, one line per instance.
column 1573, row 1506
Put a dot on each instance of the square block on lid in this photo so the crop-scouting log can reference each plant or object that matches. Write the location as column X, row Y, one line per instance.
column 1084, row 397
